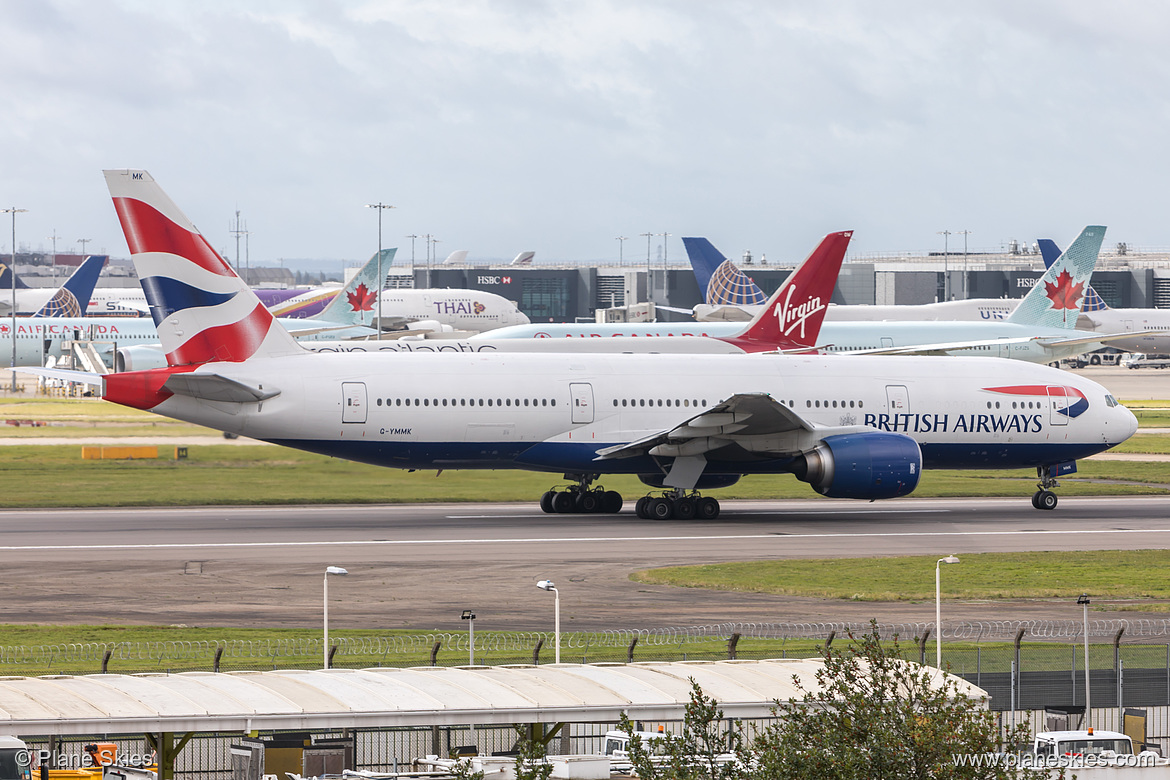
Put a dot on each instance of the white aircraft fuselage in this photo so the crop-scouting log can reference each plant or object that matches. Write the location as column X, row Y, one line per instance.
column 556, row 412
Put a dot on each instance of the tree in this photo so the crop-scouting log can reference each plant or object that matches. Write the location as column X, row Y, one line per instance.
column 703, row 751
column 875, row 715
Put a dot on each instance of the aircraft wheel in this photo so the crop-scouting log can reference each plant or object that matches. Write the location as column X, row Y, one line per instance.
column 1036, row 500
column 640, row 507
column 546, row 502
column 1046, row 499
column 588, row 502
column 661, row 508
column 563, row 503
column 684, row 508
column 611, row 502
column 707, row 508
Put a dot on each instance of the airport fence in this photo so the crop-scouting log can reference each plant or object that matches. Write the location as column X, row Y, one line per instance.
column 1021, row 664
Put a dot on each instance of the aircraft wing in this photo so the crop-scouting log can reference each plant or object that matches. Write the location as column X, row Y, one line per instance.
column 1099, row 337
column 712, row 312
column 755, row 422
column 213, row 387
column 81, row 377
column 941, row 348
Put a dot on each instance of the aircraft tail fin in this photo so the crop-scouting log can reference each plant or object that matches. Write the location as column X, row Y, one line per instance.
column 7, row 276
column 357, row 303
column 1055, row 301
column 72, row 298
column 524, row 258
column 720, row 281
column 792, row 317
column 456, row 257
column 203, row 311
column 1050, row 252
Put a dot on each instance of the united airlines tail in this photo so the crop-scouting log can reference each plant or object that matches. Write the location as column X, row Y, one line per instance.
column 357, row 303
column 1050, row 252
column 792, row 317
column 720, row 282
column 203, row 311
column 1055, row 301
column 72, row 298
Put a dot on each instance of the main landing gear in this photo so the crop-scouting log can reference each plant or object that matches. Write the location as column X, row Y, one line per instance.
column 581, row 498
column 1044, row 498
column 677, row 504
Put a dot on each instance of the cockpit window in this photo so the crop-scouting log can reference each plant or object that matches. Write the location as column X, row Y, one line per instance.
column 1110, row 401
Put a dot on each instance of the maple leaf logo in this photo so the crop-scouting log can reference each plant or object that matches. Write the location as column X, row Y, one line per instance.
column 1064, row 294
column 361, row 299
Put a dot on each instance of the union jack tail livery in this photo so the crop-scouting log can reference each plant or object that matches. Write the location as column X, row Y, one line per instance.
column 203, row 311
column 792, row 317
column 1055, row 301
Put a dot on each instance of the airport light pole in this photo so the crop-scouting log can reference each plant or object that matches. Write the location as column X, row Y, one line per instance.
column 665, row 249
column 338, row 571
column 621, row 246
column 649, row 283
column 550, row 586
column 946, row 234
column 938, row 607
column 964, row 234
column 380, row 206
column 83, row 242
column 1084, row 601
column 469, row 616
column 12, row 277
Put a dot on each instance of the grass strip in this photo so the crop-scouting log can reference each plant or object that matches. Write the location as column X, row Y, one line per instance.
column 1109, row 574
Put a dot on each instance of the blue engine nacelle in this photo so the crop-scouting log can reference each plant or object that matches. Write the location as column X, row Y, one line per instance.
column 862, row 465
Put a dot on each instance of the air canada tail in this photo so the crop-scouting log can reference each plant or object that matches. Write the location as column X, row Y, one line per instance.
column 720, row 281
column 357, row 303
column 1055, row 301
column 1050, row 252
column 72, row 298
column 792, row 317
column 203, row 311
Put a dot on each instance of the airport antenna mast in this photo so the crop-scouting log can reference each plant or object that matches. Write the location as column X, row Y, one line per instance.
column 240, row 229
column 12, row 279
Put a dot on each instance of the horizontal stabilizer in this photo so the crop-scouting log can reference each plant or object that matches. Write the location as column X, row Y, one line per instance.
column 213, row 387
column 80, row 377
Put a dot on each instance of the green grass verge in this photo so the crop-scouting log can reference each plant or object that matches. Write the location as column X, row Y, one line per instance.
column 1111, row 574
column 56, row 476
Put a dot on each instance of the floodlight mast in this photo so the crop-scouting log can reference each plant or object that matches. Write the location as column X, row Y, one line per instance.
column 337, row 571
column 550, row 586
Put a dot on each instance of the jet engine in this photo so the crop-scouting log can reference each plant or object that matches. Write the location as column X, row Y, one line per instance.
column 861, row 465
column 139, row 358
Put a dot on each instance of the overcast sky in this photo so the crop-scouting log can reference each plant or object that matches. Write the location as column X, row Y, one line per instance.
column 558, row 126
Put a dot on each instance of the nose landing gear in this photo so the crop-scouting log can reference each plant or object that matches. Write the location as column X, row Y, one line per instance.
column 581, row 498
column 676, row 504
column 1044, row 498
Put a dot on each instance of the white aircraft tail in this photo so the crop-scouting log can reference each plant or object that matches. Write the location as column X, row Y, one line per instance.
column 1055, row 301
column 524, row 258
column 203, row 311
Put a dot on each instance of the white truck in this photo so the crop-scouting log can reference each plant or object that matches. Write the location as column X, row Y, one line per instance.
column 1096, row 755
column 15, row 760
column 1140, row 360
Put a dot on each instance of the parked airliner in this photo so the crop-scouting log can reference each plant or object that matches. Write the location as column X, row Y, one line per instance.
column 859, row 428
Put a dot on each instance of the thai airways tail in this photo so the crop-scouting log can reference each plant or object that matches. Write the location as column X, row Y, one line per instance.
column 792, row 317
column 1050, row 251
column 720, row 281
column 203, row 311
column 72, row 298
column 1055, row 301
column 357, row 303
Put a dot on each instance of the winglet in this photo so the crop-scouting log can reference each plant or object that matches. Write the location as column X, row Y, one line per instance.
column 72, row 298
column 720, row 281
column 792, row 318
column 1059, row 293
column 203, row 311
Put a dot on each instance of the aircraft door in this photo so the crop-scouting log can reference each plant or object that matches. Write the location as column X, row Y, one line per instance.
column 1057, row 405
column 897, row 399
column 582, row 400
column 887, row 341
column 1127, row 326
column 353, row 399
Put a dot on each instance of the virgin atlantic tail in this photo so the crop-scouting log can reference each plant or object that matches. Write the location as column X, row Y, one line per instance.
column 792, row 317
column 203, row 311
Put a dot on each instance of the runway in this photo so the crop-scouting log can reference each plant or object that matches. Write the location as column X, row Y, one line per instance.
column 418, row 567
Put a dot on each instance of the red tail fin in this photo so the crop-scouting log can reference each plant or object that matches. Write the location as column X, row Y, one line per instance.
column 791, row 319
